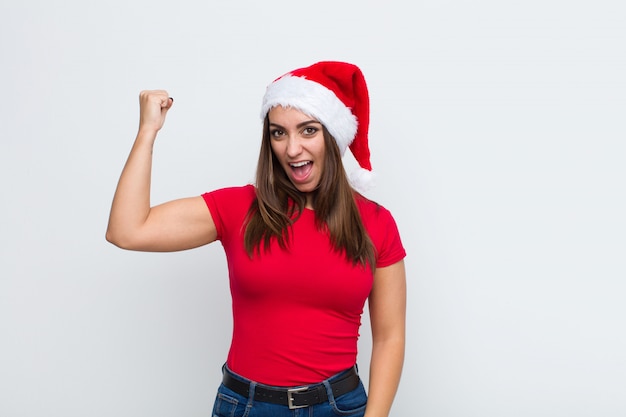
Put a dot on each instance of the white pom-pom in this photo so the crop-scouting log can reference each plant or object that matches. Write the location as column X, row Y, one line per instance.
column 362, row 180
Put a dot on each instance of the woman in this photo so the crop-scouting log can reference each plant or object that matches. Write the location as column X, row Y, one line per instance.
column 304, row 250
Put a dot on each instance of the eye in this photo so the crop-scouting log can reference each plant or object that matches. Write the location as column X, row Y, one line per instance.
column 310, row 131
column 276, row 133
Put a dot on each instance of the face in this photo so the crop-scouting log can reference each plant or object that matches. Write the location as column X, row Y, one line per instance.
column 298, row 143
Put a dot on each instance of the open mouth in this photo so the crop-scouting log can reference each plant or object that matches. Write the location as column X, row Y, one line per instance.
column 301, row 170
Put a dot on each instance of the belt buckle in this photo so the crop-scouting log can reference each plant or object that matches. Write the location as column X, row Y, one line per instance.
column 290, row 397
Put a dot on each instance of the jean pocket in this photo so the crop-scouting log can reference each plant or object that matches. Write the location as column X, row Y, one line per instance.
column 352, row 403
column 228, row 404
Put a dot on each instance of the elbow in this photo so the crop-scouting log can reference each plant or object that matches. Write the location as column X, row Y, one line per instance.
column 394, row 335
column 398, row 340
column 128, row 239
column 117, row 239
column 112, row 238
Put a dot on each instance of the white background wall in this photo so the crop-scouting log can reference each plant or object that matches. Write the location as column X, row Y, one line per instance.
column 498, row 136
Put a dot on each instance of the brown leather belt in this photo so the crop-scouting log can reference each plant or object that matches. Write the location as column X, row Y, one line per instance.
column 297, row 397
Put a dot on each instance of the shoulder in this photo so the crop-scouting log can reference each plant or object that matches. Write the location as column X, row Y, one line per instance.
column 371, row 210
column 242, row 194
column 229, row 207
column 382, row 230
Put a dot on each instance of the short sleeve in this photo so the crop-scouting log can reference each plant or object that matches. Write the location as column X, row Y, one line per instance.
column 389, row 249
column 229, row 208
column 383, row 231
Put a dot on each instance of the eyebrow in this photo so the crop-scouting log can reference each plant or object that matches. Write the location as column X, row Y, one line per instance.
column 299, row 125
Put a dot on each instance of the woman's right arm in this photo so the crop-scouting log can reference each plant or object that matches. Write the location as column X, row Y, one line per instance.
column 133, row 224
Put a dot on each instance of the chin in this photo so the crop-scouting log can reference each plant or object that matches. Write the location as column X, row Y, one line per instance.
column 305, row 190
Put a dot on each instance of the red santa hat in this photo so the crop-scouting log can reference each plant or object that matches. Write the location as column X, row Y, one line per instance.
column 335, row 93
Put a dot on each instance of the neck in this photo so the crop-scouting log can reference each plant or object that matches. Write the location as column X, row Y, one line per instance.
column 309, row 201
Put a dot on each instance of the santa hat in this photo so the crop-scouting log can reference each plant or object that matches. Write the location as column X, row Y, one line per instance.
column 335, row 93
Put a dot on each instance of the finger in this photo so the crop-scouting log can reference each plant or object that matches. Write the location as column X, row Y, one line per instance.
column 164, row 100
column 153, row 94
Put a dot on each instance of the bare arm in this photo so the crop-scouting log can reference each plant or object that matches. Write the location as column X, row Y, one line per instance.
column 133, row 224
column 387, row 304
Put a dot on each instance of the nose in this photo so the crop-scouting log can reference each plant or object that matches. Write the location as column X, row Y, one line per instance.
column 294, row 147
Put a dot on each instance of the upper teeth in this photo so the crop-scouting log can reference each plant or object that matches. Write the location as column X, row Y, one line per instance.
column 299, row 164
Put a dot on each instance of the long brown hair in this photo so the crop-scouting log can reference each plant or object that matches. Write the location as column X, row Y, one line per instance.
column 279, row 203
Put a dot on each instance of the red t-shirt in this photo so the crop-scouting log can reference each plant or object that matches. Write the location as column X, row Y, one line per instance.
column 296, row 312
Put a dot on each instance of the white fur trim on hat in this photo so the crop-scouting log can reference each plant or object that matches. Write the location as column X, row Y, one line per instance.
column 362, row 180
column 316, row 101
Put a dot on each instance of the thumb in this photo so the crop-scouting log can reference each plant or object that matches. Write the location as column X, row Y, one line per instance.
column 168, row 103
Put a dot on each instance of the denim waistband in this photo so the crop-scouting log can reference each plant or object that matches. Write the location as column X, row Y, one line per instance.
column 296, row 396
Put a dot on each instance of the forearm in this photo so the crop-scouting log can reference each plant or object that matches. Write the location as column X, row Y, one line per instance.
column 131, row 202
column 385, row 370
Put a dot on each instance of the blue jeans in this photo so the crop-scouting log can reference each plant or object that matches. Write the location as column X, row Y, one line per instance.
column 231, row 404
